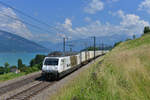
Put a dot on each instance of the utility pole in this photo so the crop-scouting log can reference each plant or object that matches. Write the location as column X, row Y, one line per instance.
column 102, row 48
column 94, row 45
column 64, row 45
column 86, row 49
column 70, row 46
column 94, row 38
column 70, row 49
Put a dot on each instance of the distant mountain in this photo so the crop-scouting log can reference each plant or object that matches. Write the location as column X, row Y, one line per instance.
column 13, row 43
column 51, row 46
column 80, row 44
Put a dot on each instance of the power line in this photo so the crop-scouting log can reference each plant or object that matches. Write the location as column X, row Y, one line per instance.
column 37, row 27
column 64, row 45
column 37, row 20
column 94, row 45
column 24, row 14
column 70, row 46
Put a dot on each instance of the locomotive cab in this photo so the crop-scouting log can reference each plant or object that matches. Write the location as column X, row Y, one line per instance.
column 55, row 67
column 50, row 67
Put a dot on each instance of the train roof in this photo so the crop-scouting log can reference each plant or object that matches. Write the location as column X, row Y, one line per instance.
column 61, row 54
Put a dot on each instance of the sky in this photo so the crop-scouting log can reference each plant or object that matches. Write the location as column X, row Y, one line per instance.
column 75, row 19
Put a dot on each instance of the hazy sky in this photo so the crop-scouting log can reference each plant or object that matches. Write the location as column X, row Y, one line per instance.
column 76, row 18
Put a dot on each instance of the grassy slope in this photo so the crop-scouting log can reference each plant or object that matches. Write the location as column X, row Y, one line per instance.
column 123, row 75
column 9, row 76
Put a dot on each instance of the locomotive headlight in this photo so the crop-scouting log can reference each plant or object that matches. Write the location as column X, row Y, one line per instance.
column 43, row 67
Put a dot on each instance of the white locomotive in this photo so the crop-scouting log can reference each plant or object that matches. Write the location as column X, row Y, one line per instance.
column 56, row 67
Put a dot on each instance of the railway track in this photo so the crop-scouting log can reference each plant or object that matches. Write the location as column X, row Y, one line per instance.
column 17, row 84
column 28, row 93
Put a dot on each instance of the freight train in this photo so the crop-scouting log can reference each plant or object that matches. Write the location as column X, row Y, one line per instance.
column 58, row 66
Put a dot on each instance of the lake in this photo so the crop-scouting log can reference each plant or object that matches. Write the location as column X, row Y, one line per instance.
column 12, row 58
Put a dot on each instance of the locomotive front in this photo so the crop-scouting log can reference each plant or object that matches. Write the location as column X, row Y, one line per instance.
column 50, row 67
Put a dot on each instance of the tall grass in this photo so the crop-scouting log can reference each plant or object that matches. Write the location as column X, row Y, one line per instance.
column 123, row 75
column 85, row 83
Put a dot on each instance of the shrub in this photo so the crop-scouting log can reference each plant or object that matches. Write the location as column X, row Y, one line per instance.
column 34, row 68
column 23, row 69
column 117, row 43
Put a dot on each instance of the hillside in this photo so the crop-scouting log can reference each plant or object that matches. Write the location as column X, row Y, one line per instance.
column 122, row 75
column 13, row 43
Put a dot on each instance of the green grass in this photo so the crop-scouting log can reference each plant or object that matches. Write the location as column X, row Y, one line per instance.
column 9, row 76
column 27, row 70
column 142, row 41
column 123, row 75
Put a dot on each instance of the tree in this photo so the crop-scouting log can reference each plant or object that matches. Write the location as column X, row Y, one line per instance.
column 37, row 60
column 146, row 29
column 2, row 70
column 23, row 68
column 20, row 65
column 6, row 67
column 32, row 62
column 134, row 37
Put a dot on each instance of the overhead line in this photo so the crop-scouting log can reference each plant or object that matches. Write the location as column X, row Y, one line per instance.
column 34, row 19
column 25, row 22
column 23, row 13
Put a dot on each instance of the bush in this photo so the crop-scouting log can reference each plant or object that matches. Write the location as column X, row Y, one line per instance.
column 117, row 43
column 34, row 68
column 23, row 69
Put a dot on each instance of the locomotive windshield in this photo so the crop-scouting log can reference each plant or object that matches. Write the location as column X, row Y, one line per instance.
column 50, row 61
